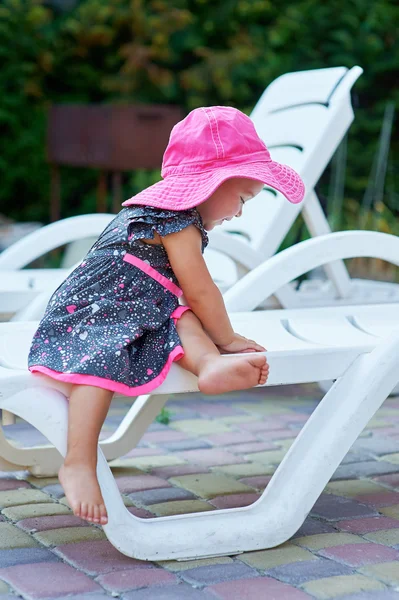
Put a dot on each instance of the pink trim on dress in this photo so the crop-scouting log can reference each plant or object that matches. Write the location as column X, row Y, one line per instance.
column 114, row 386
column 178, row 312
column 143, row 266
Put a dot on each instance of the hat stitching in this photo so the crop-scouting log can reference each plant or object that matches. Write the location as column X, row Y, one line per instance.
column 217, row 129
column 205, row 110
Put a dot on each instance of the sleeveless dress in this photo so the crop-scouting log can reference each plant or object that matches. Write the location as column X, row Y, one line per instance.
column 112, row 322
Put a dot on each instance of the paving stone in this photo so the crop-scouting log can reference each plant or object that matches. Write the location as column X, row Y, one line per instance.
column 268, row 559
column 178, row 470
column 245, row 469
column 161, row 495
column 13, row 484
column 364, row 469
column 391, row 480
column 367, row 525
column 121, row 581
column 54, row 490
column 270, row 457
column 234, row 437
column 210, row 485
column 4, row 589
column 353, row 487
column 234, row 500
column 89, row 596
column 138, row 452
column 190, row 444
column 19, row 556
column 217, row 573
column 179, row 507
column 44, row 580
column 265, row 409
column 97, row 557
column 210, row 457
column 377, row 445
column 300, row 572
column 331, row 587
column 155, row 426
column 390, row 511
column 357, row 555
column 335, row 508
column 251, row 447
column 278, row 434
column 377, row 595
column 237, row 421
column 313, row 527
column 389, row 537
column 148, row 462
column 159, row 437
column 41, row 482
column 376, row 423
column 17, row 513
column 172, row 592
column 70, row 535
column 53, row 522
column 326, row 540
column 386, row 498
column 200, row 427
column 12, row 537
column 22, row 496
column 392, row 458
column 182, row 565
column 355, row 457
column 139, row 483
column 258, row 483
column 256, row 589
column 387, row 572
column 215, row 410
column 140, row 512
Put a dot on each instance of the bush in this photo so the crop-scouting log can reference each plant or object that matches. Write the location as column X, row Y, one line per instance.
column 189, row 53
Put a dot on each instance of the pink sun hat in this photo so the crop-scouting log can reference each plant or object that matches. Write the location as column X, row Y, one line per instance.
column 206, row 148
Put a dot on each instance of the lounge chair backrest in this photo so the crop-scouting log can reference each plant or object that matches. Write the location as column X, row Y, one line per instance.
column 302, row 117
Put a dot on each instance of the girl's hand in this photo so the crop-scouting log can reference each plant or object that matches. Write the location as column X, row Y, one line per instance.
column 241, row 344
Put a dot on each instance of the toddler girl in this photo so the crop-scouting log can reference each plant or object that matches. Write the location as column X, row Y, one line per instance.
column 116, row 324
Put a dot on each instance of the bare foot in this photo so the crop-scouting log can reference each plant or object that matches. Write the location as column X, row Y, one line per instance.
column 225, row 374
column 83, row 492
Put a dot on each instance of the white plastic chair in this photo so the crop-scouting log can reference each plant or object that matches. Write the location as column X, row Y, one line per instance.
column 357, row 346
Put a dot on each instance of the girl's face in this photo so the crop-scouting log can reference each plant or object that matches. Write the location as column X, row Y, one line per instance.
column 228, row 201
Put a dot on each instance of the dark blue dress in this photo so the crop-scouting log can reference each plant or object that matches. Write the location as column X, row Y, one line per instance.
column 112, row 322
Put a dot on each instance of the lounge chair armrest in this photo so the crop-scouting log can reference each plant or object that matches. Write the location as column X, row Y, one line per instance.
column 270, row 276
column 52, row 236
column 234, row 247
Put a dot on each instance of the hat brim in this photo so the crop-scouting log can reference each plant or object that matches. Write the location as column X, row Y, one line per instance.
column 181, row 192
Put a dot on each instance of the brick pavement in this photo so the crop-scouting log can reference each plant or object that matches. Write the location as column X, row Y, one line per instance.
column 215, row 453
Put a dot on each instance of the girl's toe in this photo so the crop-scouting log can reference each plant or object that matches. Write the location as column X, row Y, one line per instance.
column 83, row 510
column 96, row 514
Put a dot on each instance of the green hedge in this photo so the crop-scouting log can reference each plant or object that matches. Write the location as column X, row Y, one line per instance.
column 185, row 52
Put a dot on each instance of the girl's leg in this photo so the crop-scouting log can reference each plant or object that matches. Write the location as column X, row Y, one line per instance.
column 88, row 407
column 217, row 373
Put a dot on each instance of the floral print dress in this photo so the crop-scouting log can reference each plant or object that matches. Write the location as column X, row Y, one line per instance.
column 112, row 322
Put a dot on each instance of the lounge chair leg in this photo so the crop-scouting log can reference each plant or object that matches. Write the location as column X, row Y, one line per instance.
column 45, row 461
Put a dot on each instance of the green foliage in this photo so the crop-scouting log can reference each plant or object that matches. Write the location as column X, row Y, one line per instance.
column 186, row 52
column 164, row 417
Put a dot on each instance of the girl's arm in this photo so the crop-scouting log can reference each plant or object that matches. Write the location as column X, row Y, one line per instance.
column 202, row 294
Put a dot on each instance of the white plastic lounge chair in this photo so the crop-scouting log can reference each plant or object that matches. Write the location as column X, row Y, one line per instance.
column 303, row 116
column 357, row 346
